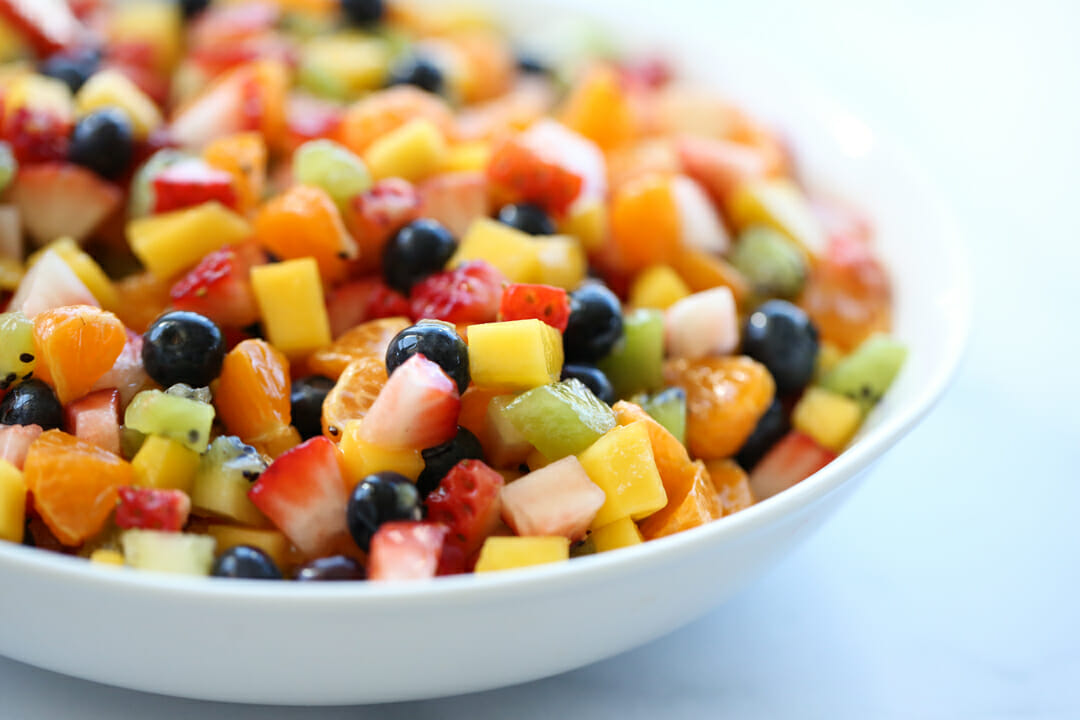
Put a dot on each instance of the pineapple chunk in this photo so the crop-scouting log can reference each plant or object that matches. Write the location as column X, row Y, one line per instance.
column 85, row 268
column 623, row 465
column 12, row 502
column 170, row 243
column 290, row 297
column 780, row 204
column 829, row 418
column 658, row 286
column 412, row 152
column 165, row 464
column 562, row 262
column 104, row 556
column 111, row 88
column 588, row 223
column 169, row 552
column 362, row 458
column 514, row 356
column 466, row 157
column 507, row 553
column 271, row 542
column 619, row 534
column 512, row 252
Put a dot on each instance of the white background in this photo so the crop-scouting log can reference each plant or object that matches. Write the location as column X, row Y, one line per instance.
column 950, row 585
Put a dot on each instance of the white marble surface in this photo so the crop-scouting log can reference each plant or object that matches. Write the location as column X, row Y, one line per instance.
column 948, row 586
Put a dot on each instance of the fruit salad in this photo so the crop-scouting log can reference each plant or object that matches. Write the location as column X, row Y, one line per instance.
column 329, row 290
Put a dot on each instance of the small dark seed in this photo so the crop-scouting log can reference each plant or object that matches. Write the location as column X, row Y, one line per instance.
column 343, row 255
column 26, row 357
column 11, row 377
column 193, row 436
column 28, row 375
column 333, row 430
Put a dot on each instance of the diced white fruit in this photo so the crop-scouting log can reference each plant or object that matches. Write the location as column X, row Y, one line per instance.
column 703, row 324
column 558, row 499
column 49, row 284
column 169, row 552
column 700, row 226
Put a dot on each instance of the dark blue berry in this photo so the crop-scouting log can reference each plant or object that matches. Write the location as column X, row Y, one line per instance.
column 246, row 562
column 532, row 65
column 441, row 459
column 72, row 68
column 335, row 567
column 191, row 8
column 306, row 399
column 595, row 325
column 781, row 337
column 183, row 347
column 419, row 71
column 103, row 142
column 592, row 378
column 419, row 249
column 377, row 499
column 436, row 341
column 32, row 402
column 363, row 12
column 527, row 218
column 772, row 426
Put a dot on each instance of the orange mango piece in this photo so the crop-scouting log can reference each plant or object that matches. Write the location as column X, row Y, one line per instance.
column 488, row 64
column 474, row 407
column 243, row 156
column 385, row 111
column 732, row 485
column 304, row 222
column 645, row 223
column 598, row 109
column 252, row 395
column 76, row 345
column 141, row 298
column 702, row 271
column 696, row 506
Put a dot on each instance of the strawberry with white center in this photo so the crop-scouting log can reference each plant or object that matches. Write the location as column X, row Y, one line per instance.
column 361, row 300
column 556, row 144
column 455, row 200
column 192, row 182
column 219, row 287
column 558, row 499
column 95, row 418
column 48, row 25
column 417, row 408
column 152, row 509
column 789, row 462
column 406, row 551
column 58, row 200
column 15, row 442
column 49, row 284
column 702, row 324
column 700, row 226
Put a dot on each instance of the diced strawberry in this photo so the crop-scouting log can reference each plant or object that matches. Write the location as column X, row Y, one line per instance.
column 558, row 499
column 49, row 284
column 467, row 502
column 303, row 493
column 543, row 302
column 648, row 73
column 219, row 287
column 362, row 300
column 790, row 461
column 719, row 165
column 152, row 509
column 48, row 25
column 192, row 182
column 95, row 418
column 232, row 103
column 127, row 374
column 36, row 136
column 374, row 216
column 417, row 408
column 310, row 118
column 406, row 551
column 468, row 294
column 15, row 441
column 523, row 175
column 455, row 200
column 58, row 200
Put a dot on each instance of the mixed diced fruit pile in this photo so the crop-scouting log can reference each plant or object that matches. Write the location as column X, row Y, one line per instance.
column 341, row 289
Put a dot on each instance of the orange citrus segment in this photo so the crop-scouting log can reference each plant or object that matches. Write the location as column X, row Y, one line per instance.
column 353, row 394
column 243, row 156
column 696, row 506
column 385, row 111
column 305, row 222
column 252, row 395
column 645, row 223
column 76, row 345
column 369, row 339
column 732, row 485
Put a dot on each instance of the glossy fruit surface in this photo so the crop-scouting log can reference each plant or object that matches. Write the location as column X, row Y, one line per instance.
column 595, row 324
column 306, row 402
column 418, row 250
column 103, row 142
column 527, row 218
column 782, row 337
column 32, row 402
column 183, row 347
column 441, row 459
column 245, row 562
column 438, row 342
column 380, row 498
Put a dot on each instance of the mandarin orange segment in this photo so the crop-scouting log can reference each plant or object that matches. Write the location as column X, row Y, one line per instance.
column 252, row 395
column 353, row 394
column 732, row 485
column 598, row 109
column 725, row 398
column 702, row 271
column 76, row 345
column 304, row 222
column 474, row 409
column 74, row 484
column 488, row 63
column 645, row 223
column 243, row 156
column 141, row 298
column 696, row 506
column 385, row 111
column 676, row 470
column 368, row 340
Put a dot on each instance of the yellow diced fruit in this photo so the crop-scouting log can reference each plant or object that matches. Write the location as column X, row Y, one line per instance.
column 658, row 286
column 12, row 45
column 111, row 88
column 829, row 418
column 562, row 262
column 165, row 464
column 12, row 503
column 271, row 542
column 512, row 252
column 507, row 553
column 514, row 356
column 85, row 268
column 588, row 223
column 466, row 157
column 103, row 556
column 344, row 66
column 619, row 534
column 362, row 458
column 39, row 93
column 157, row 25
column 413, row 151
column 622, row 464
column 290, row 297
column 780, row 204
column 171, row 243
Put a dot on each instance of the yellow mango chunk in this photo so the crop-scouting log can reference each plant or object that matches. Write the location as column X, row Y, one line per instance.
column 514, row 356
column 362, row 458
column 780, row 204
column 165, row 464
column 111, row 88
column 39, row 93
column 828, row 417
column 623, row 465
column 588, row 223
column 413, row 151
column 171, row 243
column 271, row 542
column 290, row 297
column 512, row 252
column 12, row 503
column 562, row 262
column 466, row 157
column 507, row 553
column 344, row 65
column 85, row 268
column 111, row 558
column 619, row 534
column 159, row 26
column 658, row 286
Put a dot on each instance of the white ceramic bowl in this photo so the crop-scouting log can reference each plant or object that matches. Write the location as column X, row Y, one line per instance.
column 349, row 643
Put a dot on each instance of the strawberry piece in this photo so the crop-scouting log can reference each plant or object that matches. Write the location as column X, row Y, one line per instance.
column 455, row 200
column 219, row 287
column 36, row 136
column 790, row 461
column 720, row 165
column 127, row 375
column 522, row 174
column 543, row 302
column 95, row 418
column 15, row 442
column 374, row 216
column 406, row 551
column 192, row 182
column 152, row 509
column 468, row 294
column 467, row 501
column 417, row 408
column 648, row 73
column 558, row 499
column 362, row 300
column 58, row 200
column 303, row 493
column 49, row 284
column 48, row 25
column 310, row 118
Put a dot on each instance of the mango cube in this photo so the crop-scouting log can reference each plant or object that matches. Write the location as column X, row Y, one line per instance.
column 165, row 464
column 343, row 66
column 111, row 88
column 104, row 556
column 507, row 553
column 170, row 243
column 780, row 204
column 467, row 157
column 623, row 465
column 658, row 286
column 588, row 223
column 514, row 356
column 12, row 503
column 362, row 458
column 619, row 534
column 290, row 297
column 562, row 262
column 512, row 252
column 271, row 542
column 828, row 417
column 154, row 25
column 412, row 152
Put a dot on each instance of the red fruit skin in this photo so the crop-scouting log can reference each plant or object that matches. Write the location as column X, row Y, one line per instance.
column 62, row 200
column 303, row 493
column 517, row 172
column 310, row 118
column 15, row 441
column 362, row 300
column 790, row 461
column 406, row 551
column 219, row 287
column 95, row 418
column 152, row 509
column 467, row 502
column 468, row 294
column 374, row 216
column 542, row 302
column 192, row 182
column 417, row 408
column 36, row 136
column 48, row 25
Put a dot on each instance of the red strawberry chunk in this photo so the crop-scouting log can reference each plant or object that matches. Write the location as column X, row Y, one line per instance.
column 417, row 408
column 95, row 418
column 719, row 165
column 468, row 294
column 362, row 300
column 48, row 25
column 467, row 501
column 152, row 509
column 372, row 217
column 62, row 200
column 15, row 441
column 790, row 461
column 192, row 182
column 523, row 175
column 542, row 302
column 219, row 287
column 309, row 118
column 36, row 136
column 406, row 551
column 455, row 200
column 303, row 493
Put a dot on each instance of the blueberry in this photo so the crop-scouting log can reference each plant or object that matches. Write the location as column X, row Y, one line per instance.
column 436, row 341
column 772, row 426
column 419, row 249
column 244, row 561
column 592, row 378
column 419, row 71
column 596, row 324
column 441, row 459
column 363, row 12
column 781, row 337
column 103, row 141
column 191, row 8
column 531, row 65
column 183, row 347
column 307, row 397
column 379, row 498
column 73, row 68
column 527, row 218
column 32, row 402
column 335, row 567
